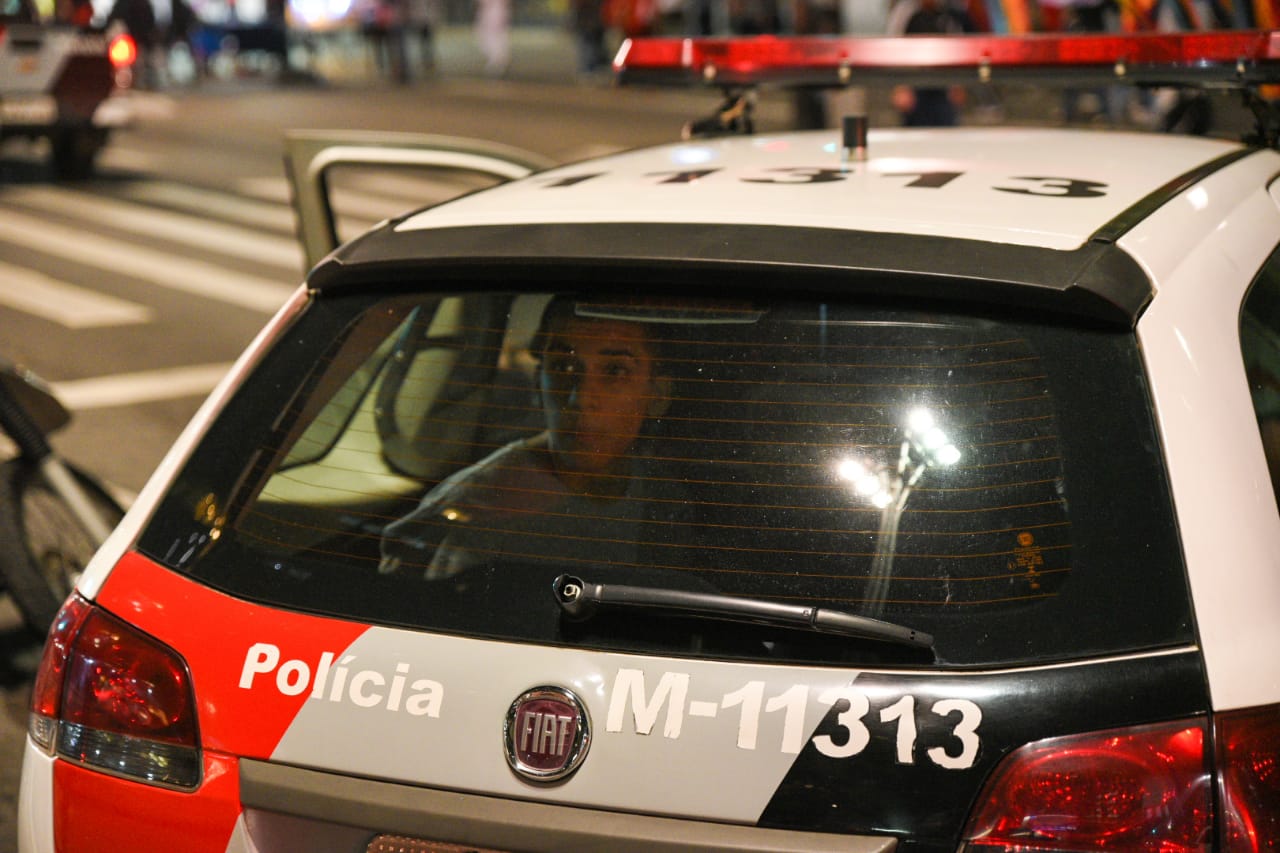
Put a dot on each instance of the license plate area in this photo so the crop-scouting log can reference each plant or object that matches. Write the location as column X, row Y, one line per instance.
column 404, row 844
column 293, row 808
column 38, row 110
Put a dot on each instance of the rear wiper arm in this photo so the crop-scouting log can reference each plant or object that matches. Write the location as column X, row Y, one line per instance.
column 579, row 600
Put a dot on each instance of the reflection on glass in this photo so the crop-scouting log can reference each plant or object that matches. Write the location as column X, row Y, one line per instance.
column 925, row 445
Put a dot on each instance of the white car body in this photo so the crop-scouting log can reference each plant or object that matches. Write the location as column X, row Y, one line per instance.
column 1197, row 219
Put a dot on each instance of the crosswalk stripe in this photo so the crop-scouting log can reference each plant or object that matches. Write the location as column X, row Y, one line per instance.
column 277, row 190
column 119, row 157
column 165, row 269
column 418, row 191
column 360, row 210
column 65, row 304
column 125, row 389
column 204, row 202
column 189, row 216
column 200, row 233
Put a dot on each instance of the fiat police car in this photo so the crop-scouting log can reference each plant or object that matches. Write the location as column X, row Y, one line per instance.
column 58, row 82
column 908, row 490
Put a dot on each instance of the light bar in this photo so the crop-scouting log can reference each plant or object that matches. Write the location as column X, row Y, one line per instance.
column 1224, row 57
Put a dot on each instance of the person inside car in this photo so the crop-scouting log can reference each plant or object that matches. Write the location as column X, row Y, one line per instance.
column 559, row 494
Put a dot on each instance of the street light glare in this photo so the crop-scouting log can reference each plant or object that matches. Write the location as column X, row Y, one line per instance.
column 868, row 486
column 920, row 420
column 934, row 438
column 948, row 455
column 850, row 469
column 866, row 479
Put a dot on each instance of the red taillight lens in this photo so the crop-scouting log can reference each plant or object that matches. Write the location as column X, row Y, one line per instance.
column 123, row 51
column 1249, row 758
column 46, row 694
column 111, row 697
column 1138, row 790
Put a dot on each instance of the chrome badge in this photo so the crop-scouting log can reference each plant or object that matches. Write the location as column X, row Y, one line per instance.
column 547, row 734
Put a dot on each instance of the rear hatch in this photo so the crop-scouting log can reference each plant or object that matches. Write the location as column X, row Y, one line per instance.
column 723, row 566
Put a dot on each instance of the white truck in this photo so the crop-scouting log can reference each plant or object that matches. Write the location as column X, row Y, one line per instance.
column 58, row 81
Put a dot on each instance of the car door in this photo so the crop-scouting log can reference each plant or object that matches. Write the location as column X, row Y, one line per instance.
column 313, row 159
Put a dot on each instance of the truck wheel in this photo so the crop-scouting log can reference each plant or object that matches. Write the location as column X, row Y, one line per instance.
column 74, row 152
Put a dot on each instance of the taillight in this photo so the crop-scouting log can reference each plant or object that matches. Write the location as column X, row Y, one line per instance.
column 122, row 51
column 1249, row 757
column 110, row 697
column 1135, row 790
column 46, row 694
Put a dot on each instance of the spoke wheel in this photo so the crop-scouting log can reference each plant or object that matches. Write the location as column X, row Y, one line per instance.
column 43, row 549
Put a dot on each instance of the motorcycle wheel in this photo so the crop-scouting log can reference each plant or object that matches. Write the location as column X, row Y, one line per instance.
column 43, row 549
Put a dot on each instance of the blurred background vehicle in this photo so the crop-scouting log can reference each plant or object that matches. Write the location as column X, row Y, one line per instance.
column 59, row 74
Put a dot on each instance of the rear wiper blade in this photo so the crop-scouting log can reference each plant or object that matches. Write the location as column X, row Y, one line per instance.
column 580, row 600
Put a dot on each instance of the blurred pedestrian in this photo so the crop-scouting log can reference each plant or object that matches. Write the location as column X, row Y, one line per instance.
column 397, row 18
column 1192, row 110
column 753, row 17
column 75, row 12
column 1086, row 16
column 139, row 18
column 178, row 40
column 382, row 24
column 422, row 21
column 812, row 17
column 633, row 18
column 276, row 32
column 586, row 19
column 929, row 106
column 699, row 18
column 493, row 33
column 670, row 18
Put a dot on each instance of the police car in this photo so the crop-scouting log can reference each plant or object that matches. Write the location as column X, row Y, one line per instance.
column 57, row 82
column 908, row 491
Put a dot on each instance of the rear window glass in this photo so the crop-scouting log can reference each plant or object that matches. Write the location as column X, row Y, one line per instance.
column 438, row 461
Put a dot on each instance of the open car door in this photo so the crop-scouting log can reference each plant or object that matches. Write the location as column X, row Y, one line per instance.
column 313, row 160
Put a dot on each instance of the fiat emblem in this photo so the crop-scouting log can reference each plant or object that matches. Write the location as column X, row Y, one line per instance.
column 547, row 734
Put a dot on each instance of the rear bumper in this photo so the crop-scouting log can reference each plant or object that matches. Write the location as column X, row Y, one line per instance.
column 288, row 803
column 35, row 802
column 65, row 807
column 39, row 115
column 257, row 806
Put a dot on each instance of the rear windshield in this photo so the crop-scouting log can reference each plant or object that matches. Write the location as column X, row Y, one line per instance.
column 438, row 461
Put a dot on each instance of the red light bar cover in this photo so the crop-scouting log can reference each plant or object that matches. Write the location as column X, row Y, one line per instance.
column 1225, row 57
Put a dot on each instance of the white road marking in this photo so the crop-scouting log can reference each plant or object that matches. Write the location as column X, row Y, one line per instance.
column 150, row 105
column 126, row 159
column 148, row 386
column 70, row 306
column 359, row 211
column 417, row 189
column 164, row 269
column 197, row 232
column 246, row 211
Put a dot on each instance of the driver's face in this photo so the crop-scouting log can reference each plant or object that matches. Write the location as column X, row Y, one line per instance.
column 597, row 387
